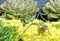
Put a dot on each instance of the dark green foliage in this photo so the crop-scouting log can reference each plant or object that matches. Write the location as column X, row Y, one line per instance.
column 8, row 33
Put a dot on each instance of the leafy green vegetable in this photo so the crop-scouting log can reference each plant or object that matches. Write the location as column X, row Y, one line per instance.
column 52, row 9
column 25, row 10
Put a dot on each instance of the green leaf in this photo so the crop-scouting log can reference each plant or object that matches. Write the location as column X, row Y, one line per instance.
column 52, row 16
column 29, row 18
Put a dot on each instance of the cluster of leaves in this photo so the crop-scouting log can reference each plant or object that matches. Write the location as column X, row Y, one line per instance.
column 26, row 10
column 52, row 9
column 8, row 33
